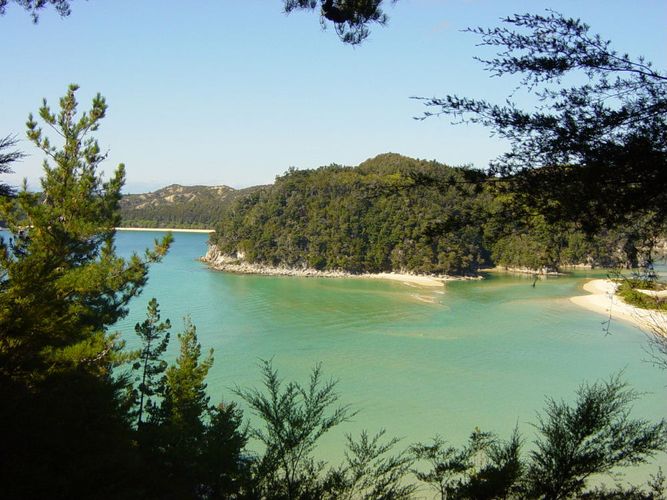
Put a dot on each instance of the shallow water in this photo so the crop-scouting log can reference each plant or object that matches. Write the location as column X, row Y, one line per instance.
column 413, row 361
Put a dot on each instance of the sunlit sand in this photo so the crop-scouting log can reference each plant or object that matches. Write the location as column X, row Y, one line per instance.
column 602, row 299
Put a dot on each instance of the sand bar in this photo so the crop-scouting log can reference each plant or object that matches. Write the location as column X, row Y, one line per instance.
column 409, row 279
column 602, row 299
column 165, row 229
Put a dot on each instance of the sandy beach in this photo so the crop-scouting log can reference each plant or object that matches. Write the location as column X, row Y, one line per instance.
column 221, row 262
column 602, row 299
column 409, row 279
column 165, row 229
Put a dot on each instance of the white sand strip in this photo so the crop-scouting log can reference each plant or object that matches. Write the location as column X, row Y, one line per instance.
column 603, row 300
column 410, row 279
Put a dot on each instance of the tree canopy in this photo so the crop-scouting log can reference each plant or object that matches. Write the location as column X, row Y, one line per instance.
column 62, row 283
column 390, row 213
column 592, row 151
column 351, row 18
column 178, row 206
column 8, row 155
column 35, row 6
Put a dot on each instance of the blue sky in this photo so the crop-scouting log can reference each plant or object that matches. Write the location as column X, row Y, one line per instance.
column 234, row 92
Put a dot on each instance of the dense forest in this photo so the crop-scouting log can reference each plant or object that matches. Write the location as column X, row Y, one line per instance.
column 394, row 213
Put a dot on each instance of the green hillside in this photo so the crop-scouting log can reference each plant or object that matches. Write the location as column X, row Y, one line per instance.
column 389, row 213
column 178, row 206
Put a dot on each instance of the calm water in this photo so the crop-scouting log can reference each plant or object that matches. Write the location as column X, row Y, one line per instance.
column 415, row 362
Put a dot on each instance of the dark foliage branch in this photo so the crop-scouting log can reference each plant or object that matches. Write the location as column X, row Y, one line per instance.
column 294, row 416
column 552, row 45
column 351, row 18
column 657, row 341
column 594, row 436
column 605, row 139
column 35, row 6
column 8, row 156
column 370, row 470
column 155, row 339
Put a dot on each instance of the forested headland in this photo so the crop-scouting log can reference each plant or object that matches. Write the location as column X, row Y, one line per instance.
column 398, row 214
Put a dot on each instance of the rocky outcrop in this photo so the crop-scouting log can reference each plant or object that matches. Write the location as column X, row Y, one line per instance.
column 235, row 264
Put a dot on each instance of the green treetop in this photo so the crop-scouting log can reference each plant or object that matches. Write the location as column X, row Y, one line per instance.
column 63, row 284
column 8, row 155
column 155, row 337
column 185, row 400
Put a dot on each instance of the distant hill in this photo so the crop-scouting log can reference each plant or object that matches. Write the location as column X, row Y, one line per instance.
column 197, row 207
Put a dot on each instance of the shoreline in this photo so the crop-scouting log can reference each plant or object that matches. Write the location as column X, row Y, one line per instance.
column 219, row 262
column 602, row 299
column 542, row 273
column 165, row 229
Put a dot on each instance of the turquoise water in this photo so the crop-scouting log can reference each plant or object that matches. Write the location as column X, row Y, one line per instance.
column 414, row 361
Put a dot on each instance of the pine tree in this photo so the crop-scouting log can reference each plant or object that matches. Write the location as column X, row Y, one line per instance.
column 183, row 416
column 61, row 287
column 185, row 400
column 8, row 155
column 155, row 337
column 63, row 284
column 224, row 464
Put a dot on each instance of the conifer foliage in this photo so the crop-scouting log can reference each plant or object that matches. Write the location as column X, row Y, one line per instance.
column 577, row 443
column 62, row 286
column 591, row 152
column 62, row 7
column 8, row 155
column 351, row 18
column 196, row 446
column 155, row 338
column 185, row 401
